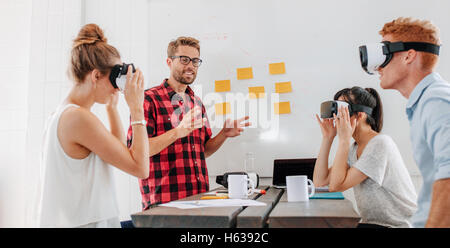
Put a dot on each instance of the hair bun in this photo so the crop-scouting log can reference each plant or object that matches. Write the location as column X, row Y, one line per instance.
column 89, row 34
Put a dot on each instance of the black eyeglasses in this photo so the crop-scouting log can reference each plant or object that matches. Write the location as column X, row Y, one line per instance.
column 186, row 60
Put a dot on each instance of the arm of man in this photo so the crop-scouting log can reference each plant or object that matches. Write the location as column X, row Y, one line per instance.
column 230, row 129
column 440, row 205
column 437, row 128
column 215, row 143
column 190, row 122
column 159, row 143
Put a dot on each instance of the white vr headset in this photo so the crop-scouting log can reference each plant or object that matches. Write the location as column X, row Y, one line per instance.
column 374, row 56
column 328, row 108
column 118, row 75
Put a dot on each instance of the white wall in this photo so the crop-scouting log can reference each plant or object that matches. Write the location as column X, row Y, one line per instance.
column 55, row 23
column 14, row 46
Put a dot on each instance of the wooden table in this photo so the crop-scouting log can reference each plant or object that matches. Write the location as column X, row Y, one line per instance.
column 314, row 213
column 222, row 217
column 252, row 216
column 277, row 213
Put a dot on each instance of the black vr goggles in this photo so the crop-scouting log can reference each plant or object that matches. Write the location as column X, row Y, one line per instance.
column 223, row 179
column 376, row 55
column 328, row 108
column 118, row 76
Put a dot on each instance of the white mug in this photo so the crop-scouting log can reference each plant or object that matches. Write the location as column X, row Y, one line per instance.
column 238, row 186
column 297, row 188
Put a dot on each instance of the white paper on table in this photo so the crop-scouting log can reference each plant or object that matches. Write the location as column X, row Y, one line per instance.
column 213, row 203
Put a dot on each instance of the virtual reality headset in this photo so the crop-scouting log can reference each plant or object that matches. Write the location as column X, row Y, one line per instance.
column 376, row 55
column 223, row 179
column 118, row 76
column 328, row 108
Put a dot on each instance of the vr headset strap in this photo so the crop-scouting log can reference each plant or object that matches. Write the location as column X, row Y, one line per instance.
column 115, row 71
column 405, row 46
column 361, row 108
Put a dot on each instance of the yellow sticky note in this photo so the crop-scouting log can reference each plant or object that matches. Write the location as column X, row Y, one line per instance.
column 223, row 108
column 256, row 92
column 244, row 73
column 283, row 87
column 282, row 108
column 222, row 85
column 277, row 68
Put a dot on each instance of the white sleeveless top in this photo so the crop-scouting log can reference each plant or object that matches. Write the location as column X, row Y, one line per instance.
column 73, row 192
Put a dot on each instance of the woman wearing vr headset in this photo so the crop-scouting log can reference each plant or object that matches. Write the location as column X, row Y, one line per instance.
column 77, row 186
column 372, row 165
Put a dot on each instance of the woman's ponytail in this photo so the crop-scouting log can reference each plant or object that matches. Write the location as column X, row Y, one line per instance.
column 376, row 119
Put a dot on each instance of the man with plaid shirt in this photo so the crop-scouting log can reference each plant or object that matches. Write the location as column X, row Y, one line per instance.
column 178, row 130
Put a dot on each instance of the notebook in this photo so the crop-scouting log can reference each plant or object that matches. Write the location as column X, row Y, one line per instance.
column 328, row 195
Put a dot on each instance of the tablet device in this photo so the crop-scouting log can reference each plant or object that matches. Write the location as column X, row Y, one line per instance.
column 291, row 167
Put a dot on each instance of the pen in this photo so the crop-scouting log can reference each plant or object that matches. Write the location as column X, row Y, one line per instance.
column 210, row 197
column 221, row 194
column 259, row 191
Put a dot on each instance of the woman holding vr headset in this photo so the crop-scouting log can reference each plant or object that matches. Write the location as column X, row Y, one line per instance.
column 372, row 165
column 77, row 186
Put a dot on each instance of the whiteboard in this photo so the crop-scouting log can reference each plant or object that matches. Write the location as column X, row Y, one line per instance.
column 318, row 42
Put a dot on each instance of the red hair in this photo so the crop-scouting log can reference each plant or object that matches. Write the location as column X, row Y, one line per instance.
column 413, row 30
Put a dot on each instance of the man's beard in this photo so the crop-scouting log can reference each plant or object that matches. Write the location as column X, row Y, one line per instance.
column 179, row 77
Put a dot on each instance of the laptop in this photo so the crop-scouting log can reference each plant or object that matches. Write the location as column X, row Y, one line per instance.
column 291, row 167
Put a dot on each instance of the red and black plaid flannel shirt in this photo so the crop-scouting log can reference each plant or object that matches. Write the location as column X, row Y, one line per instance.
column 179, row 170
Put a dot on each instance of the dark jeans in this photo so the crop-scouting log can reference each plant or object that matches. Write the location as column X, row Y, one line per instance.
column 127, row 224
column 365, row 225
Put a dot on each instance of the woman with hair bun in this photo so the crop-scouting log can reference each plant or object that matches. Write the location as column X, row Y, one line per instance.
column 77, row 187
column 372, row 165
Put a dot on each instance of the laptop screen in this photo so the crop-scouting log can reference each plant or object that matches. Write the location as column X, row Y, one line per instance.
column 291, row 167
